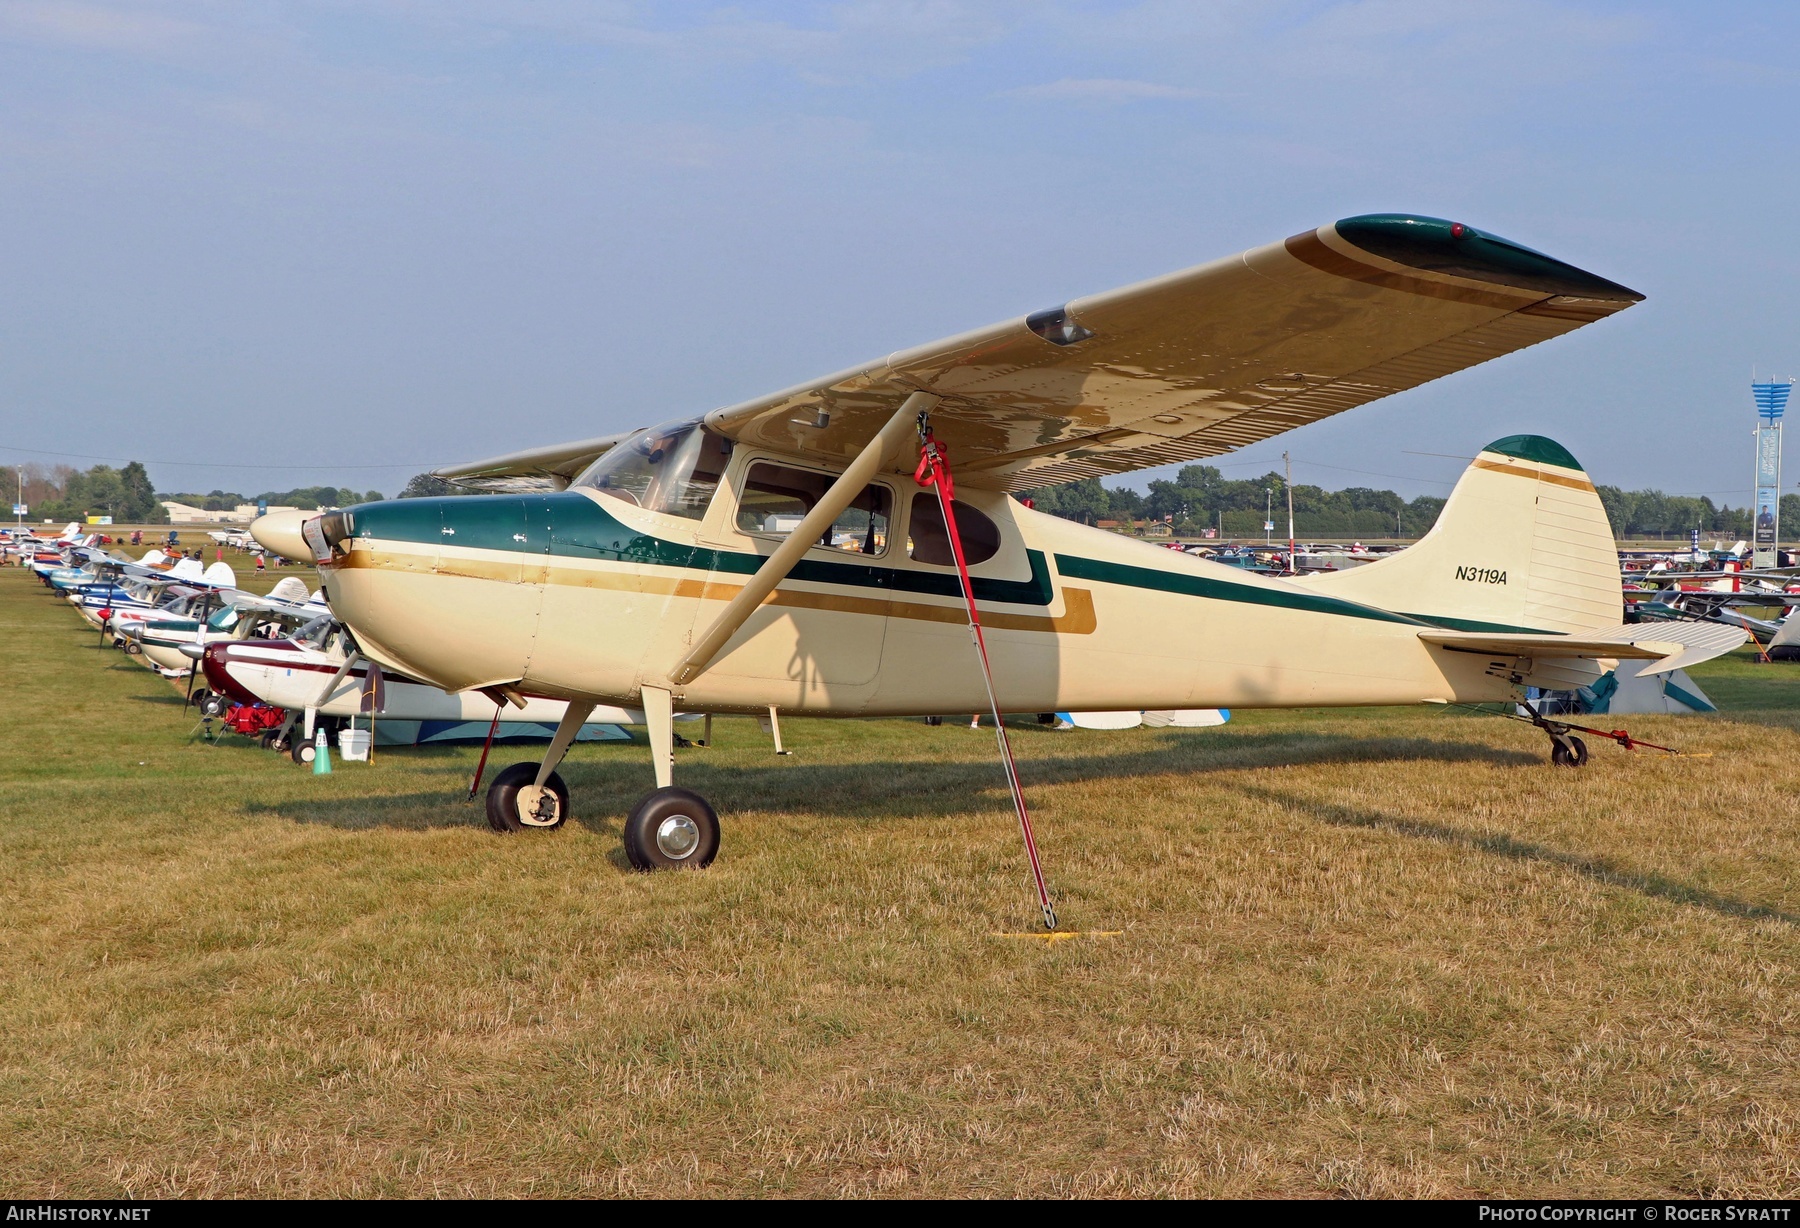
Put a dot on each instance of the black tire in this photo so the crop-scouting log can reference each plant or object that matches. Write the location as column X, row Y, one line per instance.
column 505, row 813
column 672, row 829
column 1581, row 751
column 133, row 648
column 1568, row 751
column 301, row 748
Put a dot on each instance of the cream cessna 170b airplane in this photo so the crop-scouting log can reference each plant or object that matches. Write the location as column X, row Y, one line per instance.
column 782, row 553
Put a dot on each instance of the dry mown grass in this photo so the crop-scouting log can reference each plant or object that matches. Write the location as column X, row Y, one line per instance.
column 1364, row 953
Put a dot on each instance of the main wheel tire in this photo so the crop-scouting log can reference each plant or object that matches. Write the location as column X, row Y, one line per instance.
column 301, row 749
column 513, row 804
column 672, row 829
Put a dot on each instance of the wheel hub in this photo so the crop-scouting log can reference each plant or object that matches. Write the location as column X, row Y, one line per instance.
column 537, row 806
column 677, row 836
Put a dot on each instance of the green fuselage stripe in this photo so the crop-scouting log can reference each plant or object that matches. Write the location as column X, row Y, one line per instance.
column 1077, row 568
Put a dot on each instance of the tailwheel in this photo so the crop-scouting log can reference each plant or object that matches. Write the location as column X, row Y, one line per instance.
column 1567, row 750
column 515, row 804
column 672, row 829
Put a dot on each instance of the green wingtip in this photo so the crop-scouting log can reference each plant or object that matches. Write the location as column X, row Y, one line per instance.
column 1535, row 448
column 1443, row 246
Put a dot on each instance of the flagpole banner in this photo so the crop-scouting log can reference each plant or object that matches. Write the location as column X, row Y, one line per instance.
column 1771, row 402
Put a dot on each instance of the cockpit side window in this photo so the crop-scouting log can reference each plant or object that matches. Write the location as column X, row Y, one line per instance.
column 777, row 497
column 928, row 539
column 674, row 469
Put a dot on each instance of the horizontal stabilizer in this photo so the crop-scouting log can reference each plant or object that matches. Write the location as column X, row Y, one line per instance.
column 1671, row 645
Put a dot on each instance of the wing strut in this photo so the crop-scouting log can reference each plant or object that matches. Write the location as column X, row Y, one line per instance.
column 824, row 514
column 934, row 471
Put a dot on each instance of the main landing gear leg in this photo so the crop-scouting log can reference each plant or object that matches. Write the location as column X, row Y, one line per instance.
column 669, row 828
column 532, row 794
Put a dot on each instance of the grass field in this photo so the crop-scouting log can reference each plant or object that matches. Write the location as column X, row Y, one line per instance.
column 1373, row 952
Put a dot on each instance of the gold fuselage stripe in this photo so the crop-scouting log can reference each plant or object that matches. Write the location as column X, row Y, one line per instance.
column 1078, row 617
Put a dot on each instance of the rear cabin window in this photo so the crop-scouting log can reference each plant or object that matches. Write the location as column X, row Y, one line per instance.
column 927, row 540
column 776, row 498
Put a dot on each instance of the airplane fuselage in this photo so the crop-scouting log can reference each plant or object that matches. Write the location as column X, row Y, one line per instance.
column 579, row 595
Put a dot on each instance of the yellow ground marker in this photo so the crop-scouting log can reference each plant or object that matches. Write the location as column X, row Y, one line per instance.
column 1054, row 936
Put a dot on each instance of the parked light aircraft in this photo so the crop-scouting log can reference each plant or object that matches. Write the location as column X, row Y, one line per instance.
column 317, row 672
column 167, row 642
column 649, row 570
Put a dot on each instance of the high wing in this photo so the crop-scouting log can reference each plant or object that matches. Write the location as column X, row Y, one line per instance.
column 1185, row 366
column 1204, row 361
column 549, row 468
column 1672, row 645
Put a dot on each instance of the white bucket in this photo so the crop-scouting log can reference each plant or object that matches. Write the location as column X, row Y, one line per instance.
column 354, row 744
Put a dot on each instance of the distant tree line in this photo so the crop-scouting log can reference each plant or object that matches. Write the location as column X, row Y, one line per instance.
column 62, row 492
column 425, row 486
column 1651, row 513
column 1200, row 497
column 308, row 498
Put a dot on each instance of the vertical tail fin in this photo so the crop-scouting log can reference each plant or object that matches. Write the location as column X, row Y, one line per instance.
column 1523, row 544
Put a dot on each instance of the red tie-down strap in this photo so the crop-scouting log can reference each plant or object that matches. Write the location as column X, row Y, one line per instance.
column 934, row 471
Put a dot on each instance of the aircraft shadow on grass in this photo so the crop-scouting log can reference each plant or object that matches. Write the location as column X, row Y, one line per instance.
column 161, row 700
column 936, row 789
column 930, row 789
column 1500, row 844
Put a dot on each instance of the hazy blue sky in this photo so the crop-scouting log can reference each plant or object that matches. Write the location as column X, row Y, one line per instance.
column 397, row 234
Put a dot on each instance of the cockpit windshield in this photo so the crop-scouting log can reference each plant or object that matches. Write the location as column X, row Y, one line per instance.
column 674, row 468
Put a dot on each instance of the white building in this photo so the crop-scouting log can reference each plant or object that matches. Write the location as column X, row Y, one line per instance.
column 243, row 513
